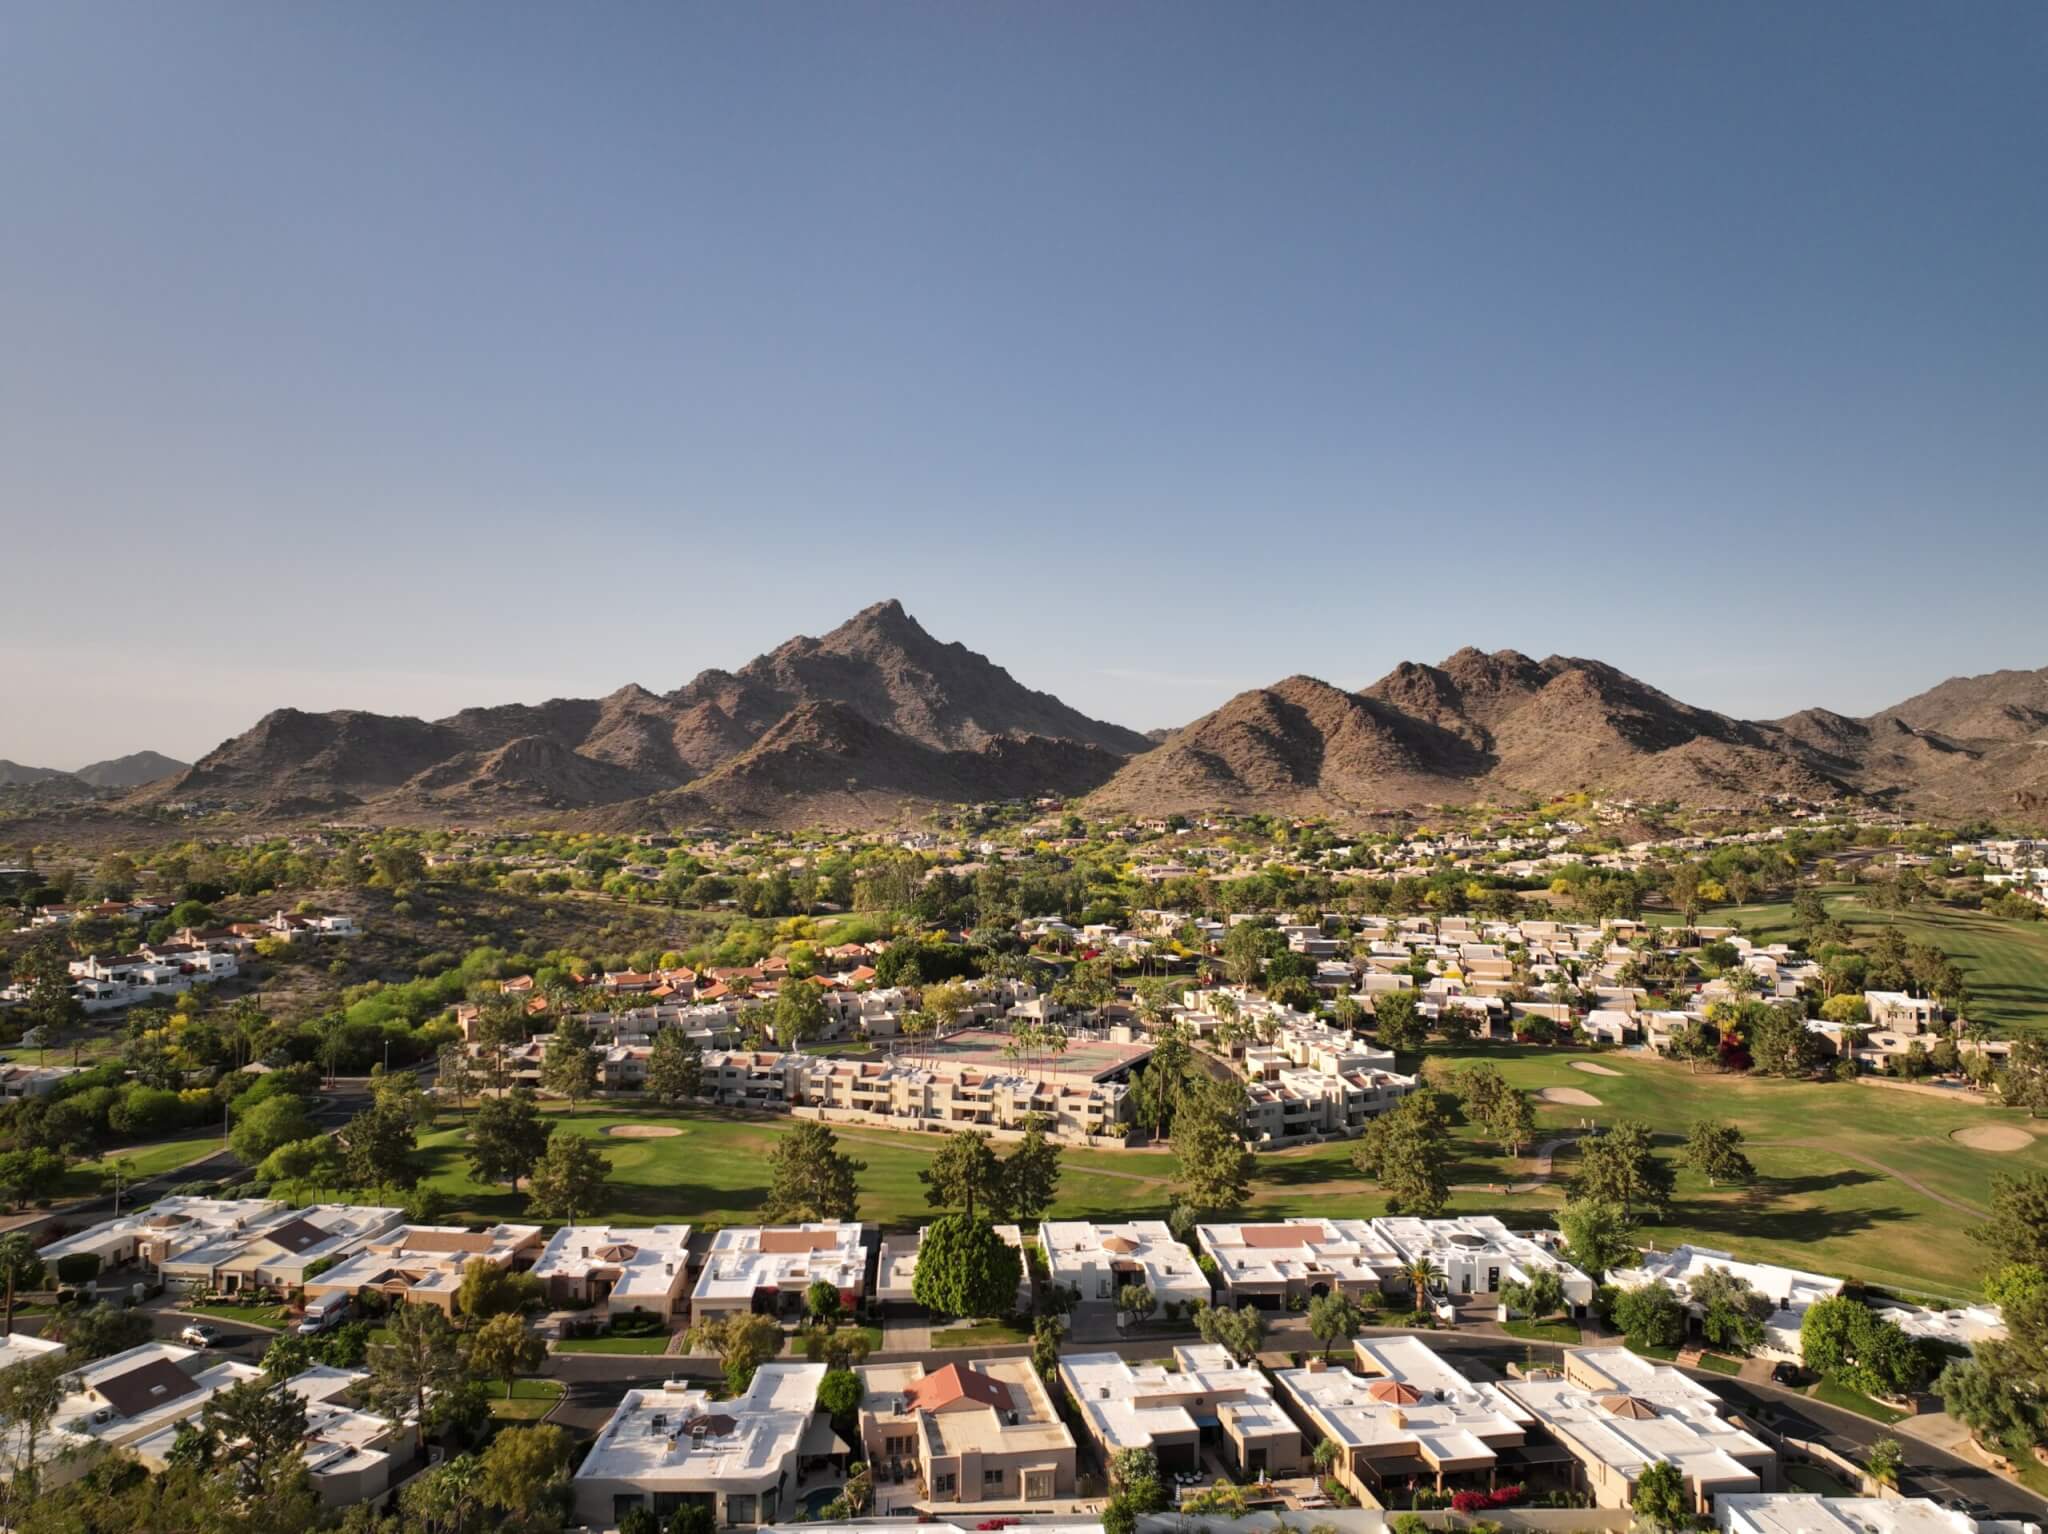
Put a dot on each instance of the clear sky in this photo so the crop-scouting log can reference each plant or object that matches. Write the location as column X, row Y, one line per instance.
column 407, row 356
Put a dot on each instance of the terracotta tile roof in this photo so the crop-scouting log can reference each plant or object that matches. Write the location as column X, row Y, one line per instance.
column 954, row 1385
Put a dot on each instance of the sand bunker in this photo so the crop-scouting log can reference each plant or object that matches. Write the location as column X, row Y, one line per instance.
column 1993, row 1137
column 1569, row 1097
column 642, row 1131
column 1594, row 1070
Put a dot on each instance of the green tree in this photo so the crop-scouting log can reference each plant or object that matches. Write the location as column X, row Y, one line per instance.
column 377, row 1146
column 799, row 1014
column 840, row 1393
column 1539, row 1295
column 20, row 1268
column 30, row 1394
column 675, row 1067
column 501, row 1348
column 1510, row 1121
column 524, row 1474
column 1597, row 1235
column 1650, row 1315
column 506, row 1137
column 1713, row 1148
column 1332, row 1317
column 568, row 1182
column 1240, row 1332
column 1405, row 1151
column 1619, row 1164
column 273, row 1122
column 1212, row 1165
column 489, row 1290
column 416, row 1359
column 1397, row 1020
column 965, row 1269
column 2018, row 1228
column 1732, row 1313
column 963, row 1171
column 568, row 1068
column 1887, row 1459
column 743, row 1342
column 1659, row 1496
column 810, row 1179
column 1031, row 1174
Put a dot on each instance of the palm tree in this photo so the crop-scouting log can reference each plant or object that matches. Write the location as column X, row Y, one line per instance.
column 1423, row 1274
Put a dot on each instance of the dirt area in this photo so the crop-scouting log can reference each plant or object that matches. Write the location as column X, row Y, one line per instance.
column 642, row 1131
column 1993, row 1137
column 1568, row 1097
column 1594, row 1070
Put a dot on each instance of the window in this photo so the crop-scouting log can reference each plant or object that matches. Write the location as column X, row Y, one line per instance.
column 942, row 1485
column 992, row 1479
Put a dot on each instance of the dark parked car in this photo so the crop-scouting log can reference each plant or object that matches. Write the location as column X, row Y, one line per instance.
column 1788, row 1374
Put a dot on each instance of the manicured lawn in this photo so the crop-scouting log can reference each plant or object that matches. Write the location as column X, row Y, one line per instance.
column 798, row 1345
column 980, row 1334
column 1837, row 1394
column 271, row 1316
column 612, row 1345
column 1542, row 1331
column 85, row 1178
column 1652, row 1350
column 1714, row 1363
column 1829, row 1197
column 2007, row 960
column 531, row 1399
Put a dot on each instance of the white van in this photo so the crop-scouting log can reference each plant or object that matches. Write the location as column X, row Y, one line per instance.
column 328, row 1310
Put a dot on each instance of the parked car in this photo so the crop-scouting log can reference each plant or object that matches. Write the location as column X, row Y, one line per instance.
column 1788, row 1374
column 199, row 1335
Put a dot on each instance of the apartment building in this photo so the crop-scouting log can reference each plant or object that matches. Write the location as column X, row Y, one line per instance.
column 671, row 1446
column 1615, row 1413
column 1204, row 1403
column 960, row 1096
column 618, row 1268
column 770, row 1269
column 1406, row 1414
column 979, row 1432
column 1095, row 1262
column 1276, row 1264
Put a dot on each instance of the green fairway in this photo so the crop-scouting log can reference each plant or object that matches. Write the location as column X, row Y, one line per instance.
column 2006, row 960
column 85, row 1178
column 1853, row 1180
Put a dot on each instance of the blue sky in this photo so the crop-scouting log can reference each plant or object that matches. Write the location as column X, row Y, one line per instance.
column 408, row 357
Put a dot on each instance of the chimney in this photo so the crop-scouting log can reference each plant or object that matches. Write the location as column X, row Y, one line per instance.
column 1317, row 1365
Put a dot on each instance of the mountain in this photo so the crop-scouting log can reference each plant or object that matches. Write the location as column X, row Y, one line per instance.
column 875, row 713
column 1477, row 726
column 14, row 775
column 130, row 771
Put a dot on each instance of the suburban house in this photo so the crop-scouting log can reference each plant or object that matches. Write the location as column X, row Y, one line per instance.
column 1898, row 1012
column 770, row 1269
column 671, row 1446
column 1789, row 1290
column 619, row 1267
column 1204, row 1402
column 424, row 1264
column 1476, row 1254
column 275, row 1254
column 1407, row 1414
column 1274, row 1264
column 896, row 1268
column 1616, row 1412
column 1096, row 1262
column 981, row 1432
column 164, row 1230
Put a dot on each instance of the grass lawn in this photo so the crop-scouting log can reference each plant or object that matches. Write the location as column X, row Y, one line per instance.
column 1716, row 1364
column 2007, row 960
column 612, row 1345
column 1652, row 1350
column 798, row 1344
column 531, row 1399
column 270, row 1316
column 1542, row 1331
column 980, row 1334
column 85, row 1178
column 1836, row 1393
column 1831, row 1194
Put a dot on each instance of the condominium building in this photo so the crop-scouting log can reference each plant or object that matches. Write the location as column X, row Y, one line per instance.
column 981, row 1432
column 1274, row 1264
column 623, row 1268
column 1616, row 1412
column 1406, row 1414
column 671, row 1446
column 1097, row 1262
column 1204, row 1402
column 957, row 1095
column 771, row 1269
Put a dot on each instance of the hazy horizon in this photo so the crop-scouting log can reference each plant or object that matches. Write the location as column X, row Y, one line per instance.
column 414, row 358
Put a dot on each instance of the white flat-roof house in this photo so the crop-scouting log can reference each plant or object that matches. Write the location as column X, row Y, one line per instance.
column 752, row 1268
column 425, row 1264
column 275, row 1254
column 896, row 1268
column 1204, row 1401
column 1406, row 1414
column 1788, row 1512
column 672, row 1446
column 1616, row 1412
column 1477, row 1254
column 1789, row 1290
column 620, row 1267
column 1096, row 1261
column 167, row 1229
column 1270, row 1264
